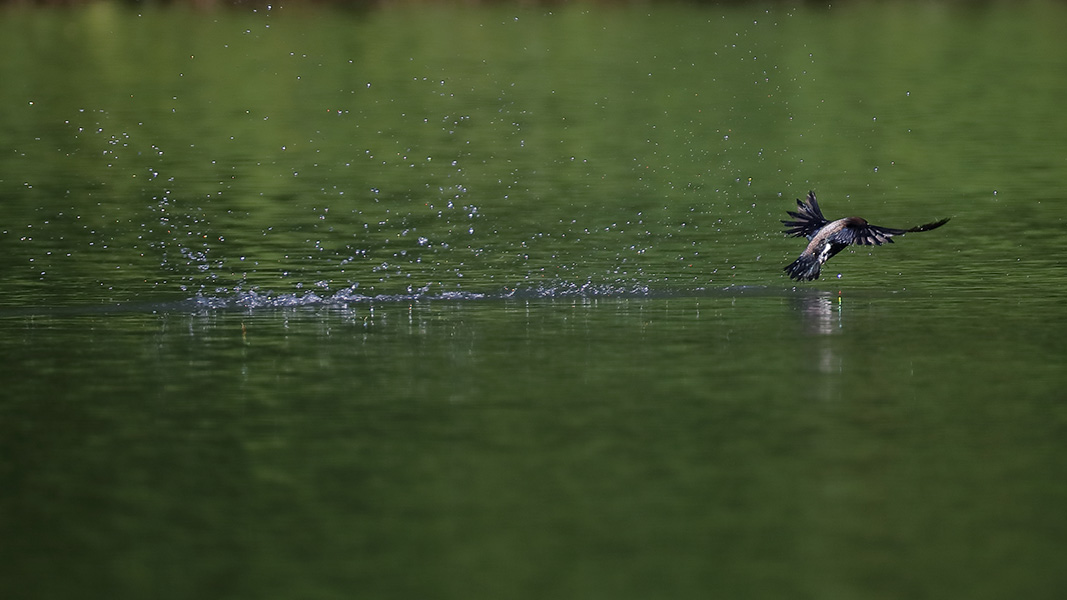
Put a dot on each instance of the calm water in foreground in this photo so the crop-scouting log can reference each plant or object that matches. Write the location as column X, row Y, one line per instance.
column 488, row 303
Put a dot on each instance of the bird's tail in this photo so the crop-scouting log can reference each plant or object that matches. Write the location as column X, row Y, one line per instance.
column 805, row 268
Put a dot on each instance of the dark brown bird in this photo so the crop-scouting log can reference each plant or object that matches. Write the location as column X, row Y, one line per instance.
column 830, row 237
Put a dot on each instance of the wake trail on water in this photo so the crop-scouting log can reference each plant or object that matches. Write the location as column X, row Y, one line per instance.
column 247, row 300
column 557, row 291
column 351, row 295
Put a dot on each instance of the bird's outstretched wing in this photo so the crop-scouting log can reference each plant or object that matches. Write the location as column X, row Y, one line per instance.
column 865, row 234
column 808, row 217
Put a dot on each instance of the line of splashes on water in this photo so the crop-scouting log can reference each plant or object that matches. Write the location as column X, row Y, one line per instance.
column 252, row 299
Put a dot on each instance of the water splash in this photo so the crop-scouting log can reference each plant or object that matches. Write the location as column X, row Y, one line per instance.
column 254, row 299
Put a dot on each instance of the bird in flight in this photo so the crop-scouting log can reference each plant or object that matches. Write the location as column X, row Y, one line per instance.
column 827, row 238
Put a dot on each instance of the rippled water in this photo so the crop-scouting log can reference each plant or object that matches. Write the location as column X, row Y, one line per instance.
column 467, row 302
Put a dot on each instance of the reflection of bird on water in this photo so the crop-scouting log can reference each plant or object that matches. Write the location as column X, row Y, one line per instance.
column 830, row 237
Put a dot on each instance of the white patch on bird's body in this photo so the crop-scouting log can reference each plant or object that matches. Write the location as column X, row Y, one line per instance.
column 824, row 253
